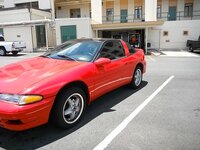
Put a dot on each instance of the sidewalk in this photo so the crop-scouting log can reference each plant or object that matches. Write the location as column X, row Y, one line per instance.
column 173, row 53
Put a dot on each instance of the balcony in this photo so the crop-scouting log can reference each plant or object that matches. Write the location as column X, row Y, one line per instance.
column 123, row 18
column 180, row 15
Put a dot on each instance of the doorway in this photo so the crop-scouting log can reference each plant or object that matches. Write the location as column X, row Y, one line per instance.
column 41, row 36
column 172, row 13
column 124, row 14
column 75, row 13
column 68, row 33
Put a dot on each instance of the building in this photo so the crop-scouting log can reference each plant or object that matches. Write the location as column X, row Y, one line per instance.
column 29, row 21
column 156, row 24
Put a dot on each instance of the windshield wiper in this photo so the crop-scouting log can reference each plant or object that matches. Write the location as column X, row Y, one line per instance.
column 67, row 57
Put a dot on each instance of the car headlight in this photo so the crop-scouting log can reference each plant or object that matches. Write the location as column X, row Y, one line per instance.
column 21, row 99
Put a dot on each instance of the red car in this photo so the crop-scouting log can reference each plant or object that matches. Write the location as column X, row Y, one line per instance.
column 60, row 84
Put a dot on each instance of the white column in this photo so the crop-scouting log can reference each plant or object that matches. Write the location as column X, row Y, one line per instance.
column 180, row 5
column 45, row 4
column 165, row 8
column 196, row 5
column 52, row 9
column 180, row 9
column 104, row 11
column 116, row 10
column 146, row 38
column 150, row 10
column 96, row 8
column 9, row 3
column 131, row 8
column 104, row 8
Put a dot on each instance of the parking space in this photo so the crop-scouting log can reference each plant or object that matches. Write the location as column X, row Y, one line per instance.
column 170, row 120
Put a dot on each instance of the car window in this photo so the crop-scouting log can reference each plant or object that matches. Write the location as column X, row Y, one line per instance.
column 76, row 50
column 112, row 50
column 130, row 48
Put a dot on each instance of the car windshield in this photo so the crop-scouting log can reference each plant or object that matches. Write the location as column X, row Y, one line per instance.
column 75, row 51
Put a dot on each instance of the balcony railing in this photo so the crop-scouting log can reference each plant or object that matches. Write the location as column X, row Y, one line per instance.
column 180, row 15
column 123, row 18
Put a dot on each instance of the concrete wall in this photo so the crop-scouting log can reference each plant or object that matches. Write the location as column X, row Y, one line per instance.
column 19, row 34
column 175, row 38
column 96, row 10
column 150, row 10
column 65, row 10
column 24, row 33
column 83, row 27
column 14, row 15
column 38, row 14
column 43, row 4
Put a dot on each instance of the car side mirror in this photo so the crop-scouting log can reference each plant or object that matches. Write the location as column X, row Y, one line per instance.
column 102, row 61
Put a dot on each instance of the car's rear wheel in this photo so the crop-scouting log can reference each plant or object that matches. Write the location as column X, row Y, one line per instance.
column 137, row 78
column 2, row 52
column 69, row 107
column 15, row 53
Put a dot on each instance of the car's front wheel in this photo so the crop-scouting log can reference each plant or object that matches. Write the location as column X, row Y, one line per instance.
column 69, row 107
column 137, row 78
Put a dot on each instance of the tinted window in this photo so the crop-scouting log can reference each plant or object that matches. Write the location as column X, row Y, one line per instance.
column 112, row 50
column 76, row 50
column 130, row 48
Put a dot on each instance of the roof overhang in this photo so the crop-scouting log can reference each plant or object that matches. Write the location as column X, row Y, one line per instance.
column 128, row 25
column 26, row 23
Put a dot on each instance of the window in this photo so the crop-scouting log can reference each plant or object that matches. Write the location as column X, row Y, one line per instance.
column 28, row 5
column 138, row 12
column 109, row 14
column 112, row 50
column 75, row 13
column 188, row 10
column 185, row 33
column 165, row 33
column 158, row 11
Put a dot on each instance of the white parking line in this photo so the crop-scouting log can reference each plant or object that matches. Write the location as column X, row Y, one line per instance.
column 127, row 120
column 152, row 59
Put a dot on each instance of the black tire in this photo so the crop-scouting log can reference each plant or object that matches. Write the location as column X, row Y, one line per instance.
column 69, row 102
column 2, row 52
column 136, row 81
column 191, row 49
column 15, row 53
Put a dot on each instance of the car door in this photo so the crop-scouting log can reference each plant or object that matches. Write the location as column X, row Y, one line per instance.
column 110, row 76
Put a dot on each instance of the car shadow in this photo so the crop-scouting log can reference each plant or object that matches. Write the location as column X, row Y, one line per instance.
column 46, row 134
column 11, row 55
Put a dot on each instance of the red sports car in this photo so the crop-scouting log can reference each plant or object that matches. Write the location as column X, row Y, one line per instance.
column 59, row 85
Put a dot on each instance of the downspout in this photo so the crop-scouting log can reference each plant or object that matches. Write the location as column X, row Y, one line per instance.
column 30, row 14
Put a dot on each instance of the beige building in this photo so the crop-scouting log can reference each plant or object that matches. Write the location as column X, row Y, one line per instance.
column 156, row 24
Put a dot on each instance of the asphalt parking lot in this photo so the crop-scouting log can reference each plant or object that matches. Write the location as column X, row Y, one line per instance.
column 163, row 114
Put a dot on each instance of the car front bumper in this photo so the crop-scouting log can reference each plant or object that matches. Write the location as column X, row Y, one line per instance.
column 18, row 118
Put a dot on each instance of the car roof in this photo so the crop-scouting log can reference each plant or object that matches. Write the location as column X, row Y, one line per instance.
column 94, row 39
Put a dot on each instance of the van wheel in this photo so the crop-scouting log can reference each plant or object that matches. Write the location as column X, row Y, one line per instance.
column 68, row 108
column 2, row 52
column 15, row 53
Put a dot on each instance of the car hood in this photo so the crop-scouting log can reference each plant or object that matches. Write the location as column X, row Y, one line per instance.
column 21, row 75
